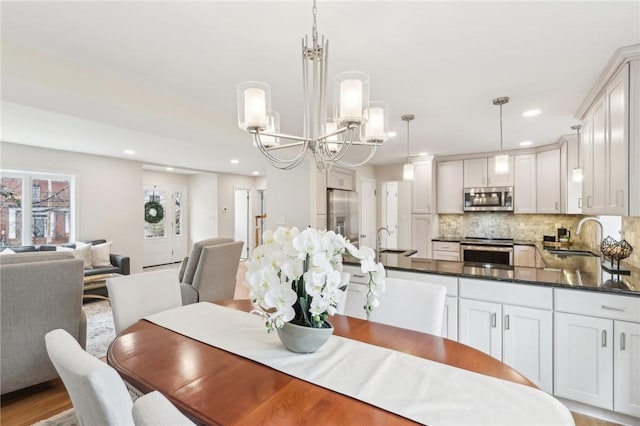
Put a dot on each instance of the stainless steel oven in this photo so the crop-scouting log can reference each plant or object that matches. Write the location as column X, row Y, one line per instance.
column 484, row 250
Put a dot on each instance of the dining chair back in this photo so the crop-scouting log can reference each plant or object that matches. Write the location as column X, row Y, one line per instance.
column 135, row 296
column 413, row 305
column 98, row 393
column 215, row 277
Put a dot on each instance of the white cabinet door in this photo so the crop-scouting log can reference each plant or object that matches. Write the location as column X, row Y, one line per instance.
column 449, row 186
column 421, row 188
column 594, row 195
column 626, row 362
column 528, row 344
column 446, row 255
column 617, row 138
column 421, row 234
column 481, row 326
column 450, row 320
column 548, row 181
column 583, row 359
column 524, row 186
column 475, row 172
column 506, row 179
column 340, row 180
column 356, row 298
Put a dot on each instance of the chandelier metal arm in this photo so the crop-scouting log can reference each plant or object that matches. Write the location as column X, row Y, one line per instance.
column 369, row 157
column 272, row 158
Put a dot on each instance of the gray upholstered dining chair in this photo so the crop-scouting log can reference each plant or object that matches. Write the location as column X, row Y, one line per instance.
column 98, row 394
column 210, row 271
column 135, row 296
column 413, row 305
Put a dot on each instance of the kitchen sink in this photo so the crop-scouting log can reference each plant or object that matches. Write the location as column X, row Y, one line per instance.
column 566, row 253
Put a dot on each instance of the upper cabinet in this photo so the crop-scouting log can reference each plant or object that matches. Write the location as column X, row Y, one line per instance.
column 480, row 172
column 340, row 179
column 548, row 181
column 449, row 186
column 524, row 191
column 421, row 188
column 611, row 138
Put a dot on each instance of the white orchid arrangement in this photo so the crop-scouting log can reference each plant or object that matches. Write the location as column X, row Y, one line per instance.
column 297, row 276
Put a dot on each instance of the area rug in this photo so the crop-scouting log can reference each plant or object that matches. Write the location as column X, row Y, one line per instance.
column 66, row 418
column 100, row 328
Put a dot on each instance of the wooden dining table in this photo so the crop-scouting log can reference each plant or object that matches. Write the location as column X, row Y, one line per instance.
column 216, row 387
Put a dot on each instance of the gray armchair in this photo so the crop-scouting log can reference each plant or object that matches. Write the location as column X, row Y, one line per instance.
column 40, row 291
column 209, row 273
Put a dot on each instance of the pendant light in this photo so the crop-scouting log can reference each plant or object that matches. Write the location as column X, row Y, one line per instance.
column 407, row 169
column 501, row 160
column 577, row 172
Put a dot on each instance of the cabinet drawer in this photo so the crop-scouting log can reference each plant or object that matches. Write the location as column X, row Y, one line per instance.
column 446, row 255
column 597, row 304
column 505, row 292
column 446, row 246
column 451, row 283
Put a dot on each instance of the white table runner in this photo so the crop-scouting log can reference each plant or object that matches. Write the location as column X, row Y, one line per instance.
column 421, row 390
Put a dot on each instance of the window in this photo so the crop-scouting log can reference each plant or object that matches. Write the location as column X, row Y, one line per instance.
column 35, row 208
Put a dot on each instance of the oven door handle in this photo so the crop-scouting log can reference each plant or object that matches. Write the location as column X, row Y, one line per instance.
column 487, row 248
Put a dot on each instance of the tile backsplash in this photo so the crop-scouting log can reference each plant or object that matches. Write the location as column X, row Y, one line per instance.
column 506, row 225
column 533, row 227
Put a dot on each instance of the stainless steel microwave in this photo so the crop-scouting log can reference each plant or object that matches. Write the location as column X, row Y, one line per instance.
column 488, row 199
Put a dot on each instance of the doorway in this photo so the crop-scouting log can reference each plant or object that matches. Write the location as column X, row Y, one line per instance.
column 164, row 225
column 389, row 218
column 242, row 219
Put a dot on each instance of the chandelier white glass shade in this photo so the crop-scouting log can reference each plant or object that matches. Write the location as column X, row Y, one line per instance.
column 354, row 122
column 577, row 171
column 501, row 161
column 407, row 169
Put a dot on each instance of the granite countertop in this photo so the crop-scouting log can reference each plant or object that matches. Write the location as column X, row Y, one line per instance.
column 579, row 272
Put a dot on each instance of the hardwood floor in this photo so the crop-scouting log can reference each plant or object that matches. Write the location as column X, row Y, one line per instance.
column 40, row 402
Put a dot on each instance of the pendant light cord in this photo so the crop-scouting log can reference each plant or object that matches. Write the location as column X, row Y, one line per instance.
column 407, row 141
column 500, row 128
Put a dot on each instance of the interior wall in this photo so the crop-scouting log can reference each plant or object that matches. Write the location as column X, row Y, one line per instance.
column 291, row 197
column 227, row 183
column 202, row 202
column 108, row 193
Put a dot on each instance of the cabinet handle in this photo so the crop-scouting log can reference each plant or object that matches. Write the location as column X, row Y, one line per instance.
column 556, row 204
column 613, row 308
column 623, row 342
column 358, row 275
column 493, row 320
column 506, row 322
column 604, row 338
column 589, row 201
column 622, row 198
column 579, row 202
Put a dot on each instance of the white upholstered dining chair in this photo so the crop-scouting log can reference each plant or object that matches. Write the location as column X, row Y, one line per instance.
column 135, row 296
column 98, row 394
column 413, row 305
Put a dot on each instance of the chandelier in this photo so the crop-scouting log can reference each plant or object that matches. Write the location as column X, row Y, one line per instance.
column 354, row 121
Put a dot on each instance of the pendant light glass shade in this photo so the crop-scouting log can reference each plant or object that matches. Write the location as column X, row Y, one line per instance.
column 407, row 172
column 577, row 171
column 351, row 96
column 501, row 163
column 254, row 105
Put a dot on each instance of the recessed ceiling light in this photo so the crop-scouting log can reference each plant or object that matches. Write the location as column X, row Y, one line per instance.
column 392, row 134
column 255, row 173
column 234, row 161
column 129, row 151
column 525, row 143
column 169, row 169
column 531, row 113
column 422, row 154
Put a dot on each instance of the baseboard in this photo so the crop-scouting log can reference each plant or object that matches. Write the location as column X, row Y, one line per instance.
column 599, row 413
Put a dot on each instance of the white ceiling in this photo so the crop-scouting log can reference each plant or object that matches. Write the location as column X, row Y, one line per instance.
column 160, row 77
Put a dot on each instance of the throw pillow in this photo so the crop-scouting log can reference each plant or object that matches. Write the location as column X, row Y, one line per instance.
column 82, row 252
column 100, row 255
column 7, row 251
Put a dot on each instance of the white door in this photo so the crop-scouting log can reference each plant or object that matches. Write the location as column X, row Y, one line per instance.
column 527, row 344
column 242, row 219
column 164, row 225
column 627, row 368
column 390, row 214
column 481, row 326
column 583, row 359
column 368, row 217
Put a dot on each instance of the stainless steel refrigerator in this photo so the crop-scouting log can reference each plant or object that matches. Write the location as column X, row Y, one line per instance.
column 343, row 213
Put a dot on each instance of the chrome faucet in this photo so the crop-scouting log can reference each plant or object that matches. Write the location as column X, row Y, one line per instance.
column 378, row 241
column 591, row 219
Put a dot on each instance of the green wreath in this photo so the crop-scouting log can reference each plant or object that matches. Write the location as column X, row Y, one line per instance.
column 153, row 212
